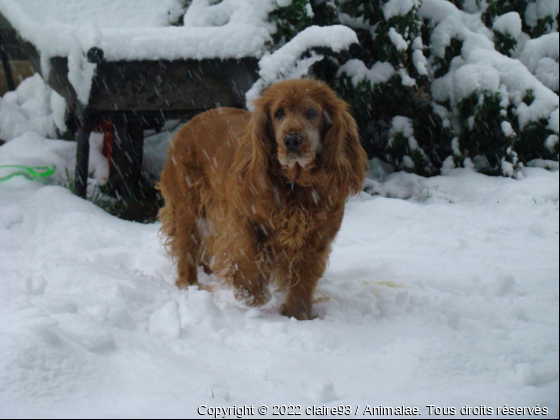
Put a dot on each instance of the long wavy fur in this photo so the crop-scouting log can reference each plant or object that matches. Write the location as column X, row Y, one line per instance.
column 262, row 228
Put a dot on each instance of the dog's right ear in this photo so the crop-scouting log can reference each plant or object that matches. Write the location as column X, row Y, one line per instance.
column 252, row 160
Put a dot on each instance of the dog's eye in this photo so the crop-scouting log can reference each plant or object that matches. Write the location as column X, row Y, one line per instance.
column 280, row 114
column 311, row 114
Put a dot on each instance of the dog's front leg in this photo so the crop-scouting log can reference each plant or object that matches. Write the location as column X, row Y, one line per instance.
column 303, row 276
column 237, row 261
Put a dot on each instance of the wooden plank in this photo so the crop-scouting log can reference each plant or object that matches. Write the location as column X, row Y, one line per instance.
column 182, row 85
column 172, row 85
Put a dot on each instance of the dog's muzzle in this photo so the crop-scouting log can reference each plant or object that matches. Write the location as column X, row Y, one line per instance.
column 293, row 142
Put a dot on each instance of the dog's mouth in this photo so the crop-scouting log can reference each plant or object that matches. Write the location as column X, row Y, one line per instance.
column 295, row 167
column 292, row 160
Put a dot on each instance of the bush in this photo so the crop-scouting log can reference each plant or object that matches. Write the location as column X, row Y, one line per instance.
column 442, row 84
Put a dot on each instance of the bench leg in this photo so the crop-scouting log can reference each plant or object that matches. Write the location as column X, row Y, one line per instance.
column 85, row 121
column 6, row 64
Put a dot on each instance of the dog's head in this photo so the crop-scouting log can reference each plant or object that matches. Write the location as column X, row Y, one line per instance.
column 298, row 123
column 302, row 128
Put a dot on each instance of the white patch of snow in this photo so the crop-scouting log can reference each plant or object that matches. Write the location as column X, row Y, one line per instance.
column 398, row 40
column 406, row 80
column 508, row 24
column 284, row 3
column 99, row 165
column 541, row 55
column 541, row 9
column 58, row 107
column 531, row 15
column 398, row 8
column 447, row 166
column 402, row 125
column 418, row 58
column 552, row 142
column 88, row 305
column 286, row 62
column 309, row 10
column 357, row 71
column 33, row 106
column 507, row 129
column 554, row 122
column 547, row 8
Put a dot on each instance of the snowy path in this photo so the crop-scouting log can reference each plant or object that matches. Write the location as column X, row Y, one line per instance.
column 448, row 297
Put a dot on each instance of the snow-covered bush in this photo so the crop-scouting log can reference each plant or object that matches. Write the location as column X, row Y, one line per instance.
column 442, row 84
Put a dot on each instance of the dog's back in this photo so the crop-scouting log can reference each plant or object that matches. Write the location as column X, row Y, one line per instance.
column 204, row 147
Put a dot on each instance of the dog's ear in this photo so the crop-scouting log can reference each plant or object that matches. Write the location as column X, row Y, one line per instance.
column 253, row 157
column 344, row 160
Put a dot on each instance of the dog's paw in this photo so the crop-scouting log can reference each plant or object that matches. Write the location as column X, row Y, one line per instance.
column 298, row 312
column 252, row 298
column 183, row 284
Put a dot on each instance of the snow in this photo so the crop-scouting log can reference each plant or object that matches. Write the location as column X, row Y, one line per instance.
column 552, row 142
column 448, row 165
column 142, row 29
column 284, row 3
column 32, row 106
column 480, row 67
column 475, row 77
column 287, row 63
column 403, row 126
column 418, row 58
column 531, row 15
column 547, row 72
column 541, row 56
column 31, row 149
column 555, row 122
column 406, row 80
column 439, row 10
column 338, row 38
column 398, row 8
column 380, row 72
column 548, row 8
column 507, row 129
column 139, row 30
column 309, row 10
column 509, row 24
column 97, row 161
column 398, row 40
column 541, row 9
column 442, row 291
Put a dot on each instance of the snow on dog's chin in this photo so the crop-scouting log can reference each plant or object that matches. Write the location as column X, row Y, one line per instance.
column 297, row 169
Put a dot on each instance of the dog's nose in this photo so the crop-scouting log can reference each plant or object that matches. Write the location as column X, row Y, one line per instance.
column 293, row 141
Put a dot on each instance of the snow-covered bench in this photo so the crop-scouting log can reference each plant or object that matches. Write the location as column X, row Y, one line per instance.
column 140, row 62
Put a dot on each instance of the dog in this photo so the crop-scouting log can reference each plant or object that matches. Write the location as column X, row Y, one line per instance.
column 258, row 198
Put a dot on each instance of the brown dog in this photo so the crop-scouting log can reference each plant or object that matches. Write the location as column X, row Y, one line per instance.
column 257, row 198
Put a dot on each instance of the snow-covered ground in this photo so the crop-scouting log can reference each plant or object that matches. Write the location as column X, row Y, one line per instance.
column 442, row 291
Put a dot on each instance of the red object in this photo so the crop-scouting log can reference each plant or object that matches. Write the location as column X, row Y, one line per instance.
column 106, row 128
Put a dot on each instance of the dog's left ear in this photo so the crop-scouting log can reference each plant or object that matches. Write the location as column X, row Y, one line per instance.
column 344, row 157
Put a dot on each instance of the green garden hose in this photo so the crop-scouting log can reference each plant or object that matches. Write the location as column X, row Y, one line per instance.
column 33, row 173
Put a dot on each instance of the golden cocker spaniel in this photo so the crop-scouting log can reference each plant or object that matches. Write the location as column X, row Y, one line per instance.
column 257, row 198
